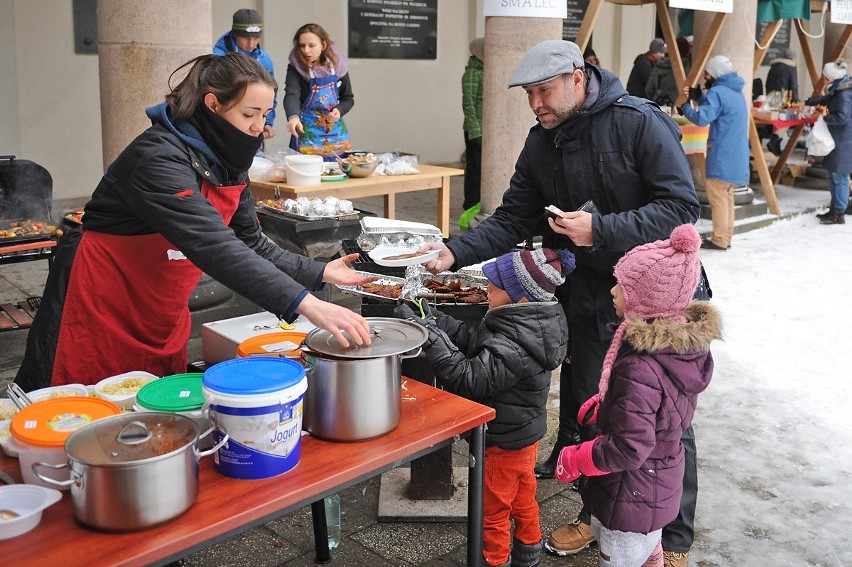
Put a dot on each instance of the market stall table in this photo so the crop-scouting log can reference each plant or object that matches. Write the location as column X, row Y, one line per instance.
column 797, row 126
column 387, row 186
column 225, row 507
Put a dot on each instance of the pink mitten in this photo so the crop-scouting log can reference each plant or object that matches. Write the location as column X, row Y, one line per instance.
column 588, row 414
column 575, row 460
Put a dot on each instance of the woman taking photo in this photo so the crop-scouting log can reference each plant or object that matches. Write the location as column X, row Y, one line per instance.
column 173, row 204
column 317, row 95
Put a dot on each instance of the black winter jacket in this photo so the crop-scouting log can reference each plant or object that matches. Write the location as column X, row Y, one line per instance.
column 782, row 76
column 623, row 153
column 505, row 363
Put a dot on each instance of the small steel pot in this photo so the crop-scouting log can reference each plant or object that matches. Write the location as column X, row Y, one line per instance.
column 354, row 393
column 134, row 470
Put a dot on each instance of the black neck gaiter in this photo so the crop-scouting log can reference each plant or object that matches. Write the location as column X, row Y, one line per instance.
column 233, row 147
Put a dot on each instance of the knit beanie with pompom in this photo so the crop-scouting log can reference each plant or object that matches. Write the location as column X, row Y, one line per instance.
column 658, row 281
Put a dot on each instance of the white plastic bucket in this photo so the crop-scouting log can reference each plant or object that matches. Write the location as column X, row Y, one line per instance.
column 303, row 169
column 258, row 401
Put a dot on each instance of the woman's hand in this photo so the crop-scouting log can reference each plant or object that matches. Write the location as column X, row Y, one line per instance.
column 335, row 319
column 339, row 272
column 334, row 115
column 294, row 125
column 268, row 131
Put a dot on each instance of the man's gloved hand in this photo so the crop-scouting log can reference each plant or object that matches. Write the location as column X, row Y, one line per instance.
column 695, row 93
column 588, row 414
column 404, row 311
column 680, row 109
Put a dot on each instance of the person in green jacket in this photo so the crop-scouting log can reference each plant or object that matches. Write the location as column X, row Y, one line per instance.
column 472, row 108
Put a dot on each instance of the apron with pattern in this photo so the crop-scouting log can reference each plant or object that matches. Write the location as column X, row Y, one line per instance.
column 127, row 305
column 321, row 137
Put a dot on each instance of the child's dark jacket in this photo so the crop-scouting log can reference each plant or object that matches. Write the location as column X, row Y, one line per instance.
column 505, row 363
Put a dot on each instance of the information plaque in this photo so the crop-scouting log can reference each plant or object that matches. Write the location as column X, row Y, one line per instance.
column 393, row 29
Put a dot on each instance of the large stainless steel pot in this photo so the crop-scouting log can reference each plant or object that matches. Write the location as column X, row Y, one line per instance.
column 134, row 470
column 354, row 393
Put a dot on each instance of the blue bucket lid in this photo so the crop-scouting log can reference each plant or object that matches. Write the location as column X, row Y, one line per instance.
column 250, row 376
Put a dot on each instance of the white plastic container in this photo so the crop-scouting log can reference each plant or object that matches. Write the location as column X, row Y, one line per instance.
column 258, row 401
column 28, row 502
column 53, row 392
column 304, row 169
column 129, row 383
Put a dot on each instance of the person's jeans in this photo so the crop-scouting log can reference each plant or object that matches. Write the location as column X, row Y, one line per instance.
column 838, row 185
column 679, row 534
column 472, row 171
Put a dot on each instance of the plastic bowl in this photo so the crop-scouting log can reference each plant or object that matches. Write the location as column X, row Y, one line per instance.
column 64, row 391
column 27, row 501
column 121, row 389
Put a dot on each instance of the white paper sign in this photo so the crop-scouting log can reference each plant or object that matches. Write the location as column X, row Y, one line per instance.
column 527, row 8
column 841, row 11
column 726, row 6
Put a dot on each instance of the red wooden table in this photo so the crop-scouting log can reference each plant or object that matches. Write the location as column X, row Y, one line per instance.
column 430, row 419
column 797, row 125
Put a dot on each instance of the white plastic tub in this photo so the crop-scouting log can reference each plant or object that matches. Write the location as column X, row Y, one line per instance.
column 304, row 169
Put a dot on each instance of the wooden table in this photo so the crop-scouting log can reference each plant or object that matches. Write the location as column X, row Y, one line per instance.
column 430, row 177
column 225, row 507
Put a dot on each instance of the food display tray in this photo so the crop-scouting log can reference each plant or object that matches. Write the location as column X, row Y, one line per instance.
column 383, row 280
column 23, row 238
column 354, row 215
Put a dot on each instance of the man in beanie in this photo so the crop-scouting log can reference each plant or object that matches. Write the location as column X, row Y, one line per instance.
column 592, row 142
column 658, row 363
column 506, row 363
column 723, row 108
column 244, row 37
column 643, row 65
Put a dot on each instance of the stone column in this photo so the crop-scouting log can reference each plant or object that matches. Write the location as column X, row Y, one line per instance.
column 506, row 115
column 736, row 39
column 139, row 45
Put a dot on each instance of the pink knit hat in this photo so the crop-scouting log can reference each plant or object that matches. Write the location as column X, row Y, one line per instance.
column 658, row 281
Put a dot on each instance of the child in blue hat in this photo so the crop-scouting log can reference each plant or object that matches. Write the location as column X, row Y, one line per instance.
column 506, row 363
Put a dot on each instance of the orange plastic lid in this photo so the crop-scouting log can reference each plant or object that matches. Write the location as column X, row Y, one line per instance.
column 284, row 344
column 49, row 423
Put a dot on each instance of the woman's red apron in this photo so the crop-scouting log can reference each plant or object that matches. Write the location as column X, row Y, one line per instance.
column 127, row 306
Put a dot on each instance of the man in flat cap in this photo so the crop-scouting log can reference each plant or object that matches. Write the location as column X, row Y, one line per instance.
column 592, row 142
column 643, row 65
column 244, row 37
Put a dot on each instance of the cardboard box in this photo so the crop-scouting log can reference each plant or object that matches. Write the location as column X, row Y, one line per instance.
column 220, row 339
column 765, row 114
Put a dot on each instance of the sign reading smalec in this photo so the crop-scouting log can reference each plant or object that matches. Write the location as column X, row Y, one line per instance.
column 726, row 6
column 526, row 8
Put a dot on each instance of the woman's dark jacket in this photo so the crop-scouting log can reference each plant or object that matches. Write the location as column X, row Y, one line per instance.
column 297, row 89
column 839, row 122
column 504, row 363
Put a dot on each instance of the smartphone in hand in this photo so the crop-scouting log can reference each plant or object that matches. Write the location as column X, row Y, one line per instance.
column 554, row 212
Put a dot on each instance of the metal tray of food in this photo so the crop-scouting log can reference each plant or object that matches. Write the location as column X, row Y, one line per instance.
column 367, row 289
column 457, row 287
column 264, row 206
column 20, row 231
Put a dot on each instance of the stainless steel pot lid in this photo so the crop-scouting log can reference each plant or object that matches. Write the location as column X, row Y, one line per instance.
column 129, row 438
column 389, row 337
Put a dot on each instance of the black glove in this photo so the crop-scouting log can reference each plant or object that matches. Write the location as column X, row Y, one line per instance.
column 680, row 110
column 695, row 93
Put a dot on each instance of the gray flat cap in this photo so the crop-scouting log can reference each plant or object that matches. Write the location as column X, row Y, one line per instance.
column 546, row 61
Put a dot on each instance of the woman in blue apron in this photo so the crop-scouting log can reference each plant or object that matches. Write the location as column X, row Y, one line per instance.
column 317, row 94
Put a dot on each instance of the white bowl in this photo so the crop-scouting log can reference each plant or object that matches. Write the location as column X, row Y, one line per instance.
column 66, row 390
column 121, row 390
column 28, row 501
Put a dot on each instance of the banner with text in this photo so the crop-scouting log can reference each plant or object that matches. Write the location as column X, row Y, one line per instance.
column 726, row 6
column 841, row 11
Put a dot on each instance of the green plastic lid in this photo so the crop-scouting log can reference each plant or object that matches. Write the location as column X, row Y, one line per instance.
column 175, row 393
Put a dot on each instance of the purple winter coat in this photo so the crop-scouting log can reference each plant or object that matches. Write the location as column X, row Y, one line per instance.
column 660, row 369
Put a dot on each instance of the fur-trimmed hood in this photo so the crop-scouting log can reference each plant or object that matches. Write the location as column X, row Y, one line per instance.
column 703, row 326
column 683, row 350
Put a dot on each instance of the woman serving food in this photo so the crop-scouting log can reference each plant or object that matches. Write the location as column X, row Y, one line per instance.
column 317, row 95
column 173, row 204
